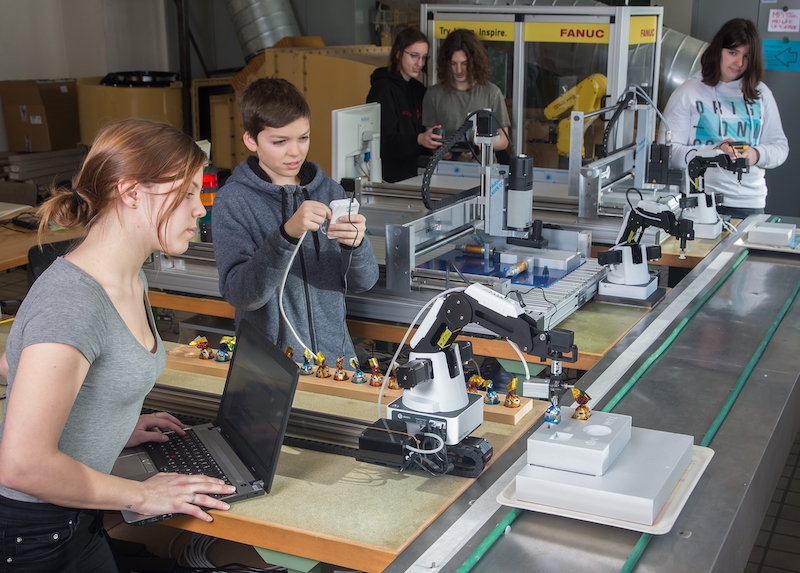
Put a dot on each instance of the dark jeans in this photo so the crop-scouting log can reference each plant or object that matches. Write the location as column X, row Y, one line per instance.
column 39, row 537
column 738, row 212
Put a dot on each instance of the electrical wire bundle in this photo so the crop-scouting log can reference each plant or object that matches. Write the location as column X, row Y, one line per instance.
column 430, row 456
column 194, row 556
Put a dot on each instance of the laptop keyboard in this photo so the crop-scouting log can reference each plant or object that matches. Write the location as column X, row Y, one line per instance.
column 185, row 455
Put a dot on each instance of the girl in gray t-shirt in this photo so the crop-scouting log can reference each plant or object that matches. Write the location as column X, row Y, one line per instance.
column 83, row 352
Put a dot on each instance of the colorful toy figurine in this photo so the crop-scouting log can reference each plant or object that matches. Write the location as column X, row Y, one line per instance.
column 512, row 400
column 322, row 369
column 377, row 377
column 358, row 375
column 223, row 353
column 230, row 341
column 491, row 394
column 341, row 374
column 306, row 369
column 553, row 413
column 393, row 385
column 582, row 412
column 201, row 343
column 476, row 382
column 290, row 352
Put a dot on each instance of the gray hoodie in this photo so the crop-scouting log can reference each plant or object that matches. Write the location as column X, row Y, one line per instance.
column 252, row 251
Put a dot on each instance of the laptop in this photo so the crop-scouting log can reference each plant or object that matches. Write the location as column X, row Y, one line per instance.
column 245, row 440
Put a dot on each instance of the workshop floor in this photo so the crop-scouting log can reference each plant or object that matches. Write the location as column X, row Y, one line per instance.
column 777, row 547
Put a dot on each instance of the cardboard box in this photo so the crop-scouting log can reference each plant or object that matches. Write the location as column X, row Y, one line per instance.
column 100, row 105
column 40, row 115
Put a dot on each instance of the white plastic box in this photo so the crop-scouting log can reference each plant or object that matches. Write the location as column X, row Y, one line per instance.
column 776, row 234
column 584, row 446
column 635, row 487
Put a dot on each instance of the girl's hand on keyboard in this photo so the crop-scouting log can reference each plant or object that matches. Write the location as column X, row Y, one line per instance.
column 180, row 493
column 150, row 428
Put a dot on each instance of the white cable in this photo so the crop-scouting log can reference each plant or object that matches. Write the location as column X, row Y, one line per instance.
column 405, row 336
column 283, row 286
column 430, row 435
column 646, row 97
column 522, row 358
column 728, row 175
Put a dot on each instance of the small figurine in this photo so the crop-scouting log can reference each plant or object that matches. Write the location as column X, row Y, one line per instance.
column 306, row 369
column 491, row 394
column 322, row 370
column 476, row 382
column 582, row 411
column 377, row 377
column 290, row 352
column 201, row 343
column 358, row 375
column 223, row 354
column 393, row 385
column 230, row 341
column 553, row 413
column 341, row 374
column 512, row 400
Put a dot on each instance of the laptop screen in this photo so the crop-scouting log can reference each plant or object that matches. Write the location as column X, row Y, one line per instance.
column 257, row 400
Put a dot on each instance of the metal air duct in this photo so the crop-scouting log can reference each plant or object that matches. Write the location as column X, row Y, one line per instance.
column 260, row 24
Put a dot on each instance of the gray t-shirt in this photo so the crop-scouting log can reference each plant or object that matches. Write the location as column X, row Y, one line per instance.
column 66, row 305
column 450, row 107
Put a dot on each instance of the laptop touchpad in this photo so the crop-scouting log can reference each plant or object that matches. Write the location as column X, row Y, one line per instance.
column 133, row 467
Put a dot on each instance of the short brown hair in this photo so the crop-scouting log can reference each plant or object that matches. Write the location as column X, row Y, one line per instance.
column 478, row 68
column 407, row 37
column 733, row 34
column 271, row 102
column 140, row 150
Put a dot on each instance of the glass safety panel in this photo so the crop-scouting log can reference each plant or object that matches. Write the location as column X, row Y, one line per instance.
column 566, row 64
column 642, row 52
column 498, row 38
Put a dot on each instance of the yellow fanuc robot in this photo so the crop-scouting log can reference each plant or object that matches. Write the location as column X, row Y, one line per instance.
column 586, row 96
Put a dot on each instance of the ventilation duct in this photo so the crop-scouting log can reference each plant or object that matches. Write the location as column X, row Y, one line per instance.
column 260, row 24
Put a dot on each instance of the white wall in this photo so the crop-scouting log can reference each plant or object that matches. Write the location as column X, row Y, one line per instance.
column 77, row 38
column 677, row 14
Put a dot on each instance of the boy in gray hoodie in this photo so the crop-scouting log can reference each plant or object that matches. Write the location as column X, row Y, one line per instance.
column 272, row 201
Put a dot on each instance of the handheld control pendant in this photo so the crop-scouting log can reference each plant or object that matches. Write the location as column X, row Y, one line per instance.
column 341, row 208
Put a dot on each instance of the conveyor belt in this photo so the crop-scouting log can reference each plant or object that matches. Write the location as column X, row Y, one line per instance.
column 682, row 393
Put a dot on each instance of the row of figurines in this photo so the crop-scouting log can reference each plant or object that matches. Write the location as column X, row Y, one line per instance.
column 227, row 344
column 474, row 384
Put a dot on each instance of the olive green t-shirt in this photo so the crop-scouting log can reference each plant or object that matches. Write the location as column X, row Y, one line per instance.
column 450, row 107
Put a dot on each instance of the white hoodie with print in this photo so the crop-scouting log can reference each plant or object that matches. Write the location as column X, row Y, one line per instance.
column 701, row 117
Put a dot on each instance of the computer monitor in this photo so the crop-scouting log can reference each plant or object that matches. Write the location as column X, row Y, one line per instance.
column 356, row 142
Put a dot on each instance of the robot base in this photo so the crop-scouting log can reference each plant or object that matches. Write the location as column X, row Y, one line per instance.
column 707, row 230
column 455, row 425
column 637, row 292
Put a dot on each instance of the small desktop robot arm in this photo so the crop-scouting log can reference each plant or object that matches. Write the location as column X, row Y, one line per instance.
column 628, row 275
column 433, row 378
column 700, row 205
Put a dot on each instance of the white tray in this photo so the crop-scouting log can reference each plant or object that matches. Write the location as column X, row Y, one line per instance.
column 793, row 248
column 701, row 457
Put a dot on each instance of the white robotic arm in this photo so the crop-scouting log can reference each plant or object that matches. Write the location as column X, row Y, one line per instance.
column 433, row 378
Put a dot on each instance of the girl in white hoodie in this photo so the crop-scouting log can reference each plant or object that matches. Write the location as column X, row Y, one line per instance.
column 727, row 102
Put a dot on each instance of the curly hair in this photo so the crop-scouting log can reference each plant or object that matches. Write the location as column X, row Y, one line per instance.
column 478, row 68
column 733, row 34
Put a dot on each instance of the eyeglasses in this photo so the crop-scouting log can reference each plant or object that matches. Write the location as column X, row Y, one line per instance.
column 417, row 57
